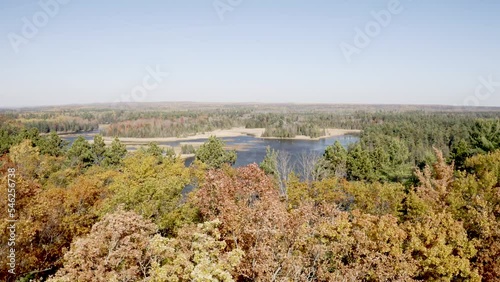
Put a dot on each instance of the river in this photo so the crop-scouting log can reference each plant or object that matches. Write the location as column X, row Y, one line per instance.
column 253, row 150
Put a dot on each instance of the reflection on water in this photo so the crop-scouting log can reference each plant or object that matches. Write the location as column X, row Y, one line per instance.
column 253, row 150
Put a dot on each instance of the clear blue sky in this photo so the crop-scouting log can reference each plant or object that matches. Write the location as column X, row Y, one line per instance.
column 432, row 52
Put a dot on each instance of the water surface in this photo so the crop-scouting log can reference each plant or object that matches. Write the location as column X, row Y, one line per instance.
column 253, row 150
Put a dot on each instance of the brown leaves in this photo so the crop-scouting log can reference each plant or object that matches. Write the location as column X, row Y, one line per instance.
column 113, row 251
column 313, row 242
column 435, row 184
column 50, row 217
column 252, row 215
column 197, row 253
column 361, row 247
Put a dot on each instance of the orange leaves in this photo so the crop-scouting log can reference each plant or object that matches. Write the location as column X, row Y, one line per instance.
column 314, row 241
column 252, row 215
column 50, row 217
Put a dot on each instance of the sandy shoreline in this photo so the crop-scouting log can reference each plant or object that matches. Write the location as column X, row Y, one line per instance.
column 330, row 132
column 233, row 132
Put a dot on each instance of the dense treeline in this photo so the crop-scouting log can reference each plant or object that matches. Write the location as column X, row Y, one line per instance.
column 284, row 122
column 294, row 130
column 45, row 122
column 391, row 150
column 287, row 125
column 62, row 125
column 177, row 127
column 376, row 211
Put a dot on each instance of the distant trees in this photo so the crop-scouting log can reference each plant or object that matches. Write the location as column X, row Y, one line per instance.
column 396, row 146
column 213, row 154
column 187, row 149
column 62, row 124
column 291, row 130
column 93, row 212
column 170, row 125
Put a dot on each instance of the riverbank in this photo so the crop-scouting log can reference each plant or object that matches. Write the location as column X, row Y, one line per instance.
column 234, row 132
column 330, row 132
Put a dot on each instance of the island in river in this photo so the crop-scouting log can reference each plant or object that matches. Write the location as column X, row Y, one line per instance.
column 248, row 143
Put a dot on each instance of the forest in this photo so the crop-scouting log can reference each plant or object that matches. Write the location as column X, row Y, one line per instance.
column 278, row 120
column 417, row 198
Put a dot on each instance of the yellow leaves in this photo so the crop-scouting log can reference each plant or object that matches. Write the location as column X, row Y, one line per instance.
column 451, row 219
column 26, row 157
column 440, row 246
column 149, row 188
column 328, row 190
column 325, row 230
column 196, row 254
column 297, row 191
column 373, row 198
column 361, row 247
column 51, row 216
column 486, row 168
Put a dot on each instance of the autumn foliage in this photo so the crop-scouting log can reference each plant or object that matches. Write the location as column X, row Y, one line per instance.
column 99, row 213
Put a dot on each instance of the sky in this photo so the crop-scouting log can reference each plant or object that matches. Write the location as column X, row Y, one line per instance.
column 56, row 52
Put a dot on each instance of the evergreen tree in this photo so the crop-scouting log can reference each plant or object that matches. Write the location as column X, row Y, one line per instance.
column 485, row 136
column 115, row 154
column 80, row 153
column 270, row 163
column 155, row 150
column 98, row 149
column 212, row 153
column 52, row 145
column 335, row 159
column 359, row 164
